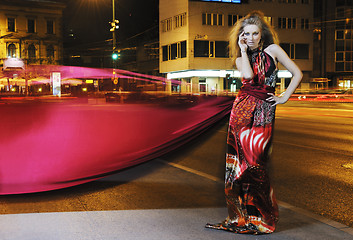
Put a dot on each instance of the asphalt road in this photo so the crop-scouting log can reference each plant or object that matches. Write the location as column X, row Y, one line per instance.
column 313, row 158
column 312, row 153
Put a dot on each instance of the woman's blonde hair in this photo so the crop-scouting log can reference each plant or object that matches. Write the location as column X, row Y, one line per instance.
column 268, row 34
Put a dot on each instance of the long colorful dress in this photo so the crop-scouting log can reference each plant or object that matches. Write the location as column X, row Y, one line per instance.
column 252, row 206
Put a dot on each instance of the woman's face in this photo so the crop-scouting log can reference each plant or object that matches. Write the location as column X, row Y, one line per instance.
column 252, row 34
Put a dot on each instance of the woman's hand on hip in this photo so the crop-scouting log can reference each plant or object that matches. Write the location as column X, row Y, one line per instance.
column 275, row 100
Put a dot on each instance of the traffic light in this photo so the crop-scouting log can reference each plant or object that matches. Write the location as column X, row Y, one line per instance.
column 115, row 56
column 114, row 25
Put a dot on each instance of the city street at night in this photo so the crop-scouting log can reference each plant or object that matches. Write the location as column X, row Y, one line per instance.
column 172, row 197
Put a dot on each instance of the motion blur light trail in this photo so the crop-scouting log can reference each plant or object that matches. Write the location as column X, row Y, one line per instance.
column 73, row 72
column 46, row 146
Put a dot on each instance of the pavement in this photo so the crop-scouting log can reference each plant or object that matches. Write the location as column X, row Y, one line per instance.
column 172, row 224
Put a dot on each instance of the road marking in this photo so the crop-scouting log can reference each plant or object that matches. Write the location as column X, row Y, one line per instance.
column 190, row 170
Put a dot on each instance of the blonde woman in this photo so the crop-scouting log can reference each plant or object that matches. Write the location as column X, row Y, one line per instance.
column 252, row 206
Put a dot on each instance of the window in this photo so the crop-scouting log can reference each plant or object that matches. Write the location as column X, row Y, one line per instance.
column 180, row 20
column 348, row 45
column 50, row 51
column 339, row 66
column 339, row 56
column 165, row 53
column 31, row 51
column 31, row 26
column 287, row 23
column 340, row 34
column 11, row 50
column 214, row 19
column 232, row 19
column 11, row 24
column 296, row 51
column 221, row 49
column 305, row 23
column 50, row 27
column 174, row 51
column 301, row 51
column 183, row 49
column 201, row 48
column 166, row 25
column 286, row 48
column 339, row 45
column 211, row 49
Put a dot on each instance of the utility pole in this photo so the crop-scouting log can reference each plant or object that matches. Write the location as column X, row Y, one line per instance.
column 114, row 26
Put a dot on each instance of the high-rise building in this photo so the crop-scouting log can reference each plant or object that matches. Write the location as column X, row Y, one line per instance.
column 333, row 42
column 194, row 40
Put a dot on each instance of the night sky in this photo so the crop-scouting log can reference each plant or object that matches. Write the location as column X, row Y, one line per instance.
column 89, row 19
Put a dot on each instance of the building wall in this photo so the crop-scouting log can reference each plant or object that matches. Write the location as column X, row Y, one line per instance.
column 196, row 30
column 168, row 10
column 40, row 12
column 337, row 41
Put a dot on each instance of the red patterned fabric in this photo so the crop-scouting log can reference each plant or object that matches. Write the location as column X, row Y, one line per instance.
column 252, row 206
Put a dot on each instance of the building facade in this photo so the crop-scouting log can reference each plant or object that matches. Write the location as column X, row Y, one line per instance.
column 333, row 42
column 194, row 41
column 31, row 31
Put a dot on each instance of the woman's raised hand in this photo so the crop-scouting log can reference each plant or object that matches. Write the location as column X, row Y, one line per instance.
column 242, row 42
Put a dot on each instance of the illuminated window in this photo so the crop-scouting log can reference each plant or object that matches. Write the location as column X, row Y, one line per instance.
column 11, row 50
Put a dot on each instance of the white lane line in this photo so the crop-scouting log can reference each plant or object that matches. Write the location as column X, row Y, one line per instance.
column 190, row 170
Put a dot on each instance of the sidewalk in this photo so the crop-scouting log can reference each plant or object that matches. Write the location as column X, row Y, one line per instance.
column 168, row 224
